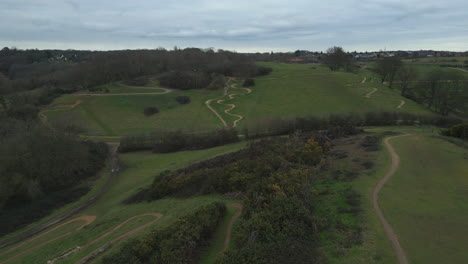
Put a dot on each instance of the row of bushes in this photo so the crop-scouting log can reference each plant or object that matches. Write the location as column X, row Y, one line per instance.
column 271, row 127
column 459, row 131
column 181, row 242
column 177, row 141
column 336, row 125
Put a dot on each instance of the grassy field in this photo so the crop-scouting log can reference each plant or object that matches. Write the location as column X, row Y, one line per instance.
column 426, row 199
column 123, row 114
column 291, row 90
column 140, row 169
column 302, row 90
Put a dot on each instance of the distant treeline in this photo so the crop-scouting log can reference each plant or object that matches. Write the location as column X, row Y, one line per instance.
column 189, row 68
column 177, row 141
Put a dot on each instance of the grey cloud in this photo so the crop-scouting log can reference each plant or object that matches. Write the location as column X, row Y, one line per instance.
column 240, row 25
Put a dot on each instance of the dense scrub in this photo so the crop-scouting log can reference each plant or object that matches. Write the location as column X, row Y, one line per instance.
column 276, row 179
column 459, row 131
column 249, row 82
column 181, row 242
column 177, row 141
column 41, row 169
column 151, row 110
column 183, row 99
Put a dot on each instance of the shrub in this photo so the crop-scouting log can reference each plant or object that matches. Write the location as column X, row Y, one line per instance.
column 248, row 82
column 148, row 111
column 183, row 99
column 459, row 131
column 261, row 70
column 181, row 242
column 218, row 81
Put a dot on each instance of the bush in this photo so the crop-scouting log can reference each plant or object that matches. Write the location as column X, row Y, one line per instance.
column 261, row 70
column 218, row 81
column 459, row 131
column 183, row 99
column 248, row 82
column 181, row 242
column 148, row 111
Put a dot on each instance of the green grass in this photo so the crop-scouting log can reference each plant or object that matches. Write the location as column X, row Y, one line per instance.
column 375, row 247
column 426, row 202
column 140, row 170
column 217, row 243
column 122, row 115
column 302, row 90
column 290, row 90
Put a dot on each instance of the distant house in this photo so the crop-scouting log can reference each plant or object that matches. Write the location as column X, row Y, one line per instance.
column 296, row 60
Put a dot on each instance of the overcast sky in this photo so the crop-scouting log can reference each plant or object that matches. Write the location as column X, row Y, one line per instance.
column 241, row 25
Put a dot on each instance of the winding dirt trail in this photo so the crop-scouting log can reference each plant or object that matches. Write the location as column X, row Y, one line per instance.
column 399, row 252
column 221, row 101
column 87, row 219
column 231, row 224
column 402, row 103
column 59, row 107
column 364, row 80
column 371, row 92
column 460, row 69
column 94, row 253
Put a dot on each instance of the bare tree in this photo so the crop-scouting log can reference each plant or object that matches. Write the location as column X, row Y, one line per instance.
column 387, row 68
column 337, row 59
column 406, row 74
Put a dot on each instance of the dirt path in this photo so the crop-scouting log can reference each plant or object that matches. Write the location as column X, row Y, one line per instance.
column 95, row 252
column 371, row 92
column 208, row 104
column 59, row 107
column 231, row 224
column 399, row 252
column 364, row 80
column 402, row 103
column 460, row 69
column 221, row 101
column 88, row 219
column 233, row 106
